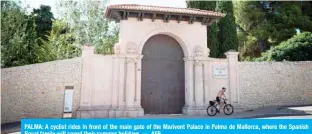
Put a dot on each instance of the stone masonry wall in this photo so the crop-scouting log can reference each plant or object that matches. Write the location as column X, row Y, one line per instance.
column 38, row 90
column 264, row 84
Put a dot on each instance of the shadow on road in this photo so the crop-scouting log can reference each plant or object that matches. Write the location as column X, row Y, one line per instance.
column 10, row 127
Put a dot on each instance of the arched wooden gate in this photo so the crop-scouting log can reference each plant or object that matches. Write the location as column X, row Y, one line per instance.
column 162, row 76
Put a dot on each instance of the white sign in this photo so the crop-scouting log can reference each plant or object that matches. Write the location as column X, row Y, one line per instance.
column 68, row 100
column 220, row 72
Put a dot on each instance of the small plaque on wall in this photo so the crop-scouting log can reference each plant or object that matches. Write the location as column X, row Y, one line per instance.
column 68, row 100
column 220, row 72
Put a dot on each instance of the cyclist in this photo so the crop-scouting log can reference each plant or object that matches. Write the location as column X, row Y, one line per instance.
column 219, row 96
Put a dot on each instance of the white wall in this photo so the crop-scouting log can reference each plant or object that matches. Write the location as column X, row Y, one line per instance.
column 101, row 81
column 188, row 35
column 96, row 92
column 215, row 84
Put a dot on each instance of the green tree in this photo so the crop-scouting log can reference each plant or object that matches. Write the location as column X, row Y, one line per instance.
column 60, row 44
column 227, row 35
column 88, row 23
column 268, row 23
column 43, row 17
column 18, row 36
column 212, row 39
column 297, row 48
column 107, row 44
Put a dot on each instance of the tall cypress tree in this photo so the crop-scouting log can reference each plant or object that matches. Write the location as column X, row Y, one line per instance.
column 212, row 39
column 227, row 34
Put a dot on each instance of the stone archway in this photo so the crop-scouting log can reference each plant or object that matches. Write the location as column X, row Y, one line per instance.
column 162, row 81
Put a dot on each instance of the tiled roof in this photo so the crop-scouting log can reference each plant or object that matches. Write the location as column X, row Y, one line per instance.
column 189, row 11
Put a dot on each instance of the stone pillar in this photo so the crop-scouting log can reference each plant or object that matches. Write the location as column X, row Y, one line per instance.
column 195, row 88
column 121, row 87
column 132, row 94
column 138, row 82
column 189, row 90
column 130, row 82
column 137, row 100
column 115, row 85
column 129, row 95
column 84, row 110
column 233, row 79
column 199, row 84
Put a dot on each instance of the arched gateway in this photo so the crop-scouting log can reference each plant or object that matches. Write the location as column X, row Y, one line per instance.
column 160, row 65
column 162, row 90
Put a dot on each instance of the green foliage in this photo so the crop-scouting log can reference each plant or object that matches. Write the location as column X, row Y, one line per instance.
column 227, row 35
column 59, row 44
column 21, row 44
column 107, row 44
column 268, row 23
column 43, row 18
column 87, row 22
column 297, row 48
column 18, row 36
column 212, row 39
column 203, row 5
column 213, row 43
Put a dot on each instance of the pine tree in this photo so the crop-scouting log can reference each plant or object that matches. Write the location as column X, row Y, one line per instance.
column 263, row 24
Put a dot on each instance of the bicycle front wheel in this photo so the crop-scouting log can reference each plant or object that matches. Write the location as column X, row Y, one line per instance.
column 228, row 109
column 211, row 110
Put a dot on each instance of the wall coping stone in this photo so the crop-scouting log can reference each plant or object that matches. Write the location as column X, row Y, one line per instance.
column 43, row 63
column 281, row 62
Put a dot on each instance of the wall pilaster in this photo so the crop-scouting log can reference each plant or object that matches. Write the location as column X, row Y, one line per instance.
column 86, row 85
column 199, row 82
column 233, row 78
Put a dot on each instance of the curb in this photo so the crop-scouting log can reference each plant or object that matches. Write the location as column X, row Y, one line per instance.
column 273, row 115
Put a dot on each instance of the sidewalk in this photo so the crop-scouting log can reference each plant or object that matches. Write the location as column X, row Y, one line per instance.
column 259, row 113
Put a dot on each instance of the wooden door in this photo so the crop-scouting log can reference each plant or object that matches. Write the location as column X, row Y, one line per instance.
column 162, row 76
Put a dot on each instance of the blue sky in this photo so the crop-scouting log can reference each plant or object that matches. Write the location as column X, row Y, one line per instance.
column 171, row 3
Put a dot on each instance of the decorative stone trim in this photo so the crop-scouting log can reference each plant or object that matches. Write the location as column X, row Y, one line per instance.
column 217, row 59
column 231, row 52
column 131, row 48
column 275, row 62
column 199, row 63
column 117, row 49
column 198, row 51
column 131, row 60
column 188, row 58
column 208, row 51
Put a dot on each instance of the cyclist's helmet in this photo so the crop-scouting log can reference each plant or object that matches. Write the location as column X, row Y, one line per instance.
column 223, row 88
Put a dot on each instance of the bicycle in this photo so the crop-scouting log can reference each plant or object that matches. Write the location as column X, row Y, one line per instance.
column 212, row 108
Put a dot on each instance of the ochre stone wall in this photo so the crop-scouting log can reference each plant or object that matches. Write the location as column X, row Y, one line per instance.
column 38, row 90
column 263, row 84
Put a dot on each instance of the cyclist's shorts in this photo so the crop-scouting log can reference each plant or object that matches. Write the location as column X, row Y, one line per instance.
column 218, row 99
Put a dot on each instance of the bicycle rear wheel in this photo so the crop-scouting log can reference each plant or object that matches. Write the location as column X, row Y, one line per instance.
column 211, row 110
column 228, row 109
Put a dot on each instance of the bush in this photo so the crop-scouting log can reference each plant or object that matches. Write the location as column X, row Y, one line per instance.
column 297, row 48
column 59, row 45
